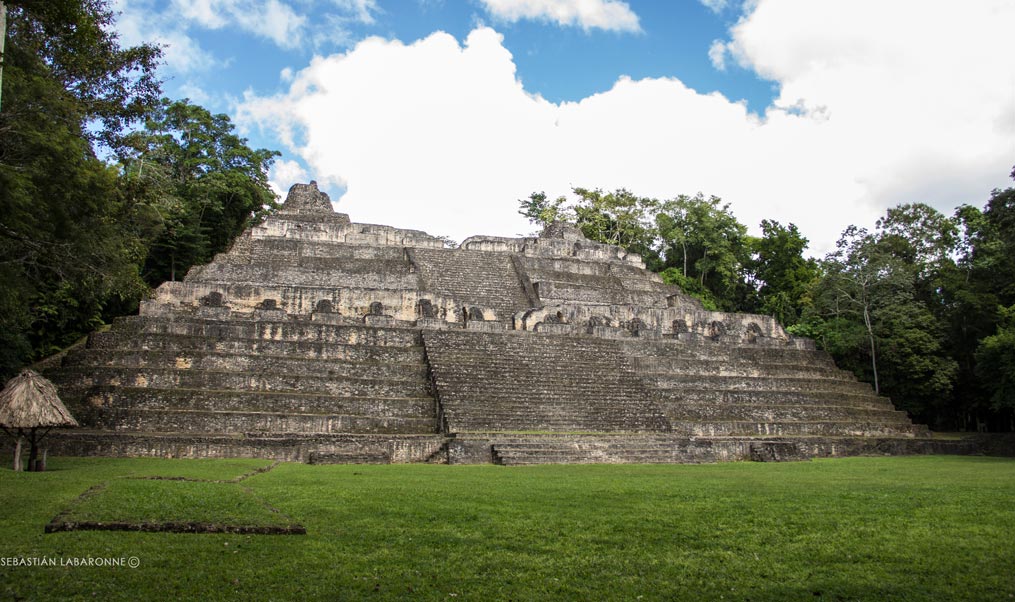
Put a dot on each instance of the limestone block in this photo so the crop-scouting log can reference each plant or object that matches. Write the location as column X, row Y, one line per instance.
column 556, row 328
column 494, row 244
column 486, row 325
column 377, row 320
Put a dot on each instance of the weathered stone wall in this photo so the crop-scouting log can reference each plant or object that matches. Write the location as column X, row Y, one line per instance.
column 399, row 449
column 557, row 240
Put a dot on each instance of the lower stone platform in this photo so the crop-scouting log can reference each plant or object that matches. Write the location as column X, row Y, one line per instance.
column 287, row 447
column 504, row 448
column 521, row 449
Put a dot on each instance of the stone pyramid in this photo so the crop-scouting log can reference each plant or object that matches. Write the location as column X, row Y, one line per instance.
column 318, row 339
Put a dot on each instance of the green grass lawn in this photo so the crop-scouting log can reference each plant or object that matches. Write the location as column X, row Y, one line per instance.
column 908, row 528
column 160, row 502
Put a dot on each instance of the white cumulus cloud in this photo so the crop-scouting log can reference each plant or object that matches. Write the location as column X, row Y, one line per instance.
column 140, row 23
column 274, row 20
column 717, row 54
column 716, row 6
column 610, row 15
column 442, row 136
column 285, row 173
column 360, row 10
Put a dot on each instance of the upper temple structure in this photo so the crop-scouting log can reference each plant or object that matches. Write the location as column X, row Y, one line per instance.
column 318, row 339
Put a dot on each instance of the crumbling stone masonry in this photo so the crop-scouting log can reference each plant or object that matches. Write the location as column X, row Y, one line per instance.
column 317, row 339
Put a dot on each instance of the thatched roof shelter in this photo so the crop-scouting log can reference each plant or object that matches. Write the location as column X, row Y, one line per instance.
column 30, row 401
column 29, row 408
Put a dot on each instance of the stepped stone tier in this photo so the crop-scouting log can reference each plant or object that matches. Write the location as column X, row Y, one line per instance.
column 321, row 340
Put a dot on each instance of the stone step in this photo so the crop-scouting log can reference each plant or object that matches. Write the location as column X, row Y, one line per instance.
column 799, row 428
column 605, row 281
column 200, row 421
column 107, row 341
column 276, row 330
column 509, row 458
column 545, row 411
column 236, row 381
column 472, row 370
column 664, row 366
column 574, row 265
column 363, row 273
column 86, row 400
column 677, row 350
column 326, row 228
column 244, row 362
column 537, row 356
column 593, row 451
column 549, row 423
column 563, row 292
column 588, row 394
column 780, row 413
column 358, row 456
column 305, row 252
column 758, row 383
column 534, row 344
column 706, row 395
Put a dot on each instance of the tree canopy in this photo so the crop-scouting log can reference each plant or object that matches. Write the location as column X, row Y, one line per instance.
column 83, row 237
column 188, row 170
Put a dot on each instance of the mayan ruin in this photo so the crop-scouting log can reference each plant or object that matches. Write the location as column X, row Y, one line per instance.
column 320, row 340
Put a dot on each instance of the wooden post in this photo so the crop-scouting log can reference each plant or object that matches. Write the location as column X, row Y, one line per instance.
column 17, row 453
column 33, row 449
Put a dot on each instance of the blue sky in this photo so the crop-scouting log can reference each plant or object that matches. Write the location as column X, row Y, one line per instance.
column 558, row 63
column 440, row 114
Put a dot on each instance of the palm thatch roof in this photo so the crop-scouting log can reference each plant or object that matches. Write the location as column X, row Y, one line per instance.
column 30, row 401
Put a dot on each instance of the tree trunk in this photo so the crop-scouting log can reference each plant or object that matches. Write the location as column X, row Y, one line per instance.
column 17, row 453
column 874, row 357
column 683, row 245
column 3, row 38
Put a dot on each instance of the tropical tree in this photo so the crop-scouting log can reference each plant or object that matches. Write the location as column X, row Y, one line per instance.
column 995, row 363
column 67, row 84
column 195, row 182
column 866, row 312
column 615, row 218
column 781, row 272
column 705, row 250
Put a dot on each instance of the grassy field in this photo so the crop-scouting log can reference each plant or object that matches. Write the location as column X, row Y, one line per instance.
column 910, row 528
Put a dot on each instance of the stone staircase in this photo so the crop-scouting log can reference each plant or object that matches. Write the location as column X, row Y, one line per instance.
column 478, row 278
column 562, row 280
column 512, row 381
column 711, row 390
column 252, row 380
